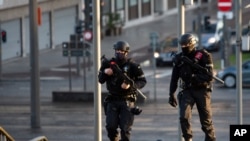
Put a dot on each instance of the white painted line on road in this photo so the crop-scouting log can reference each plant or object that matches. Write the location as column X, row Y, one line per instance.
column 63, row 69
column 164, row 74
column 148, row 73
column 159, row 74
column 51, row 78
column 137, row 54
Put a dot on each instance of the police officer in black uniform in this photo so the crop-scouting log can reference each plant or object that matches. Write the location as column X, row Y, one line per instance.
column 196, row 87
column 119, row 105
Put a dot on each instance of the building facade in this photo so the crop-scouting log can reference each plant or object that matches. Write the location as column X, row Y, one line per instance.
column 59, row 19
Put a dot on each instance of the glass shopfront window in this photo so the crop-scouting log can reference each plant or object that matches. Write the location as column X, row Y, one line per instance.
column 106, row 6
column 119, row 4
column 145, row 10
column 145, row 1
column 133, row 2
column 133, row 9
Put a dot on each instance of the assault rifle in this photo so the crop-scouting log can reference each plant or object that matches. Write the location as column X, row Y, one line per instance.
column 124, row 76
column 199, row 68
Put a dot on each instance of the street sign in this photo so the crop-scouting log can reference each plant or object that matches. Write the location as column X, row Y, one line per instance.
column 75, row 49
column 225, row 9
column 76, row 38
column 153, row 38
column 74, row 52
column 224, row 5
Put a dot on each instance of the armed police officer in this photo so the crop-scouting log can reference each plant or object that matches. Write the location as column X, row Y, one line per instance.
column 196, row 87
column 119, row 105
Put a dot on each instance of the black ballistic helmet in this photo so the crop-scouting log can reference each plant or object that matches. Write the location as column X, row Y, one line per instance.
column 121, row 45
column 188, row 39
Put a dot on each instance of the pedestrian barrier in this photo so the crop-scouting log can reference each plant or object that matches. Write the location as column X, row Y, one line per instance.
column 5, row 136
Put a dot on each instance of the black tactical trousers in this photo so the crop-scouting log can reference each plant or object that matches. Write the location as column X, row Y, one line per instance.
column 118, row 115
column 202, row 99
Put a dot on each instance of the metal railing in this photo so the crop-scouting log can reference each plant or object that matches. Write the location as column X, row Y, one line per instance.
column 40, row 138
column 4, row 136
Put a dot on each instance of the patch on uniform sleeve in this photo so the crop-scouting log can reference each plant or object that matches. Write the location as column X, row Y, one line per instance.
column 198, row 55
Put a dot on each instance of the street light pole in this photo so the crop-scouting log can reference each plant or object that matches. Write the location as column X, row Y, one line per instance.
column 34, row 65
column 181, row 30
column 97, row 57
column 238, row 20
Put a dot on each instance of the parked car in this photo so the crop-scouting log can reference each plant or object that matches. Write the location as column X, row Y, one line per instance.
column 228, row 75
column 211, row 39
column 164, row 58
column 210, row 43
column 168, row 49
column 162, row 46
column 245, row 30
column 245, row 33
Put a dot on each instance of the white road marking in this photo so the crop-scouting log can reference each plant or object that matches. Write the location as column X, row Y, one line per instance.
column 51, row 78
column 159, row 73
column 62, row 69
column 164, row 74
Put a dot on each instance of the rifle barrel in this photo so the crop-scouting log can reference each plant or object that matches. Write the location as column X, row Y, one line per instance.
column 197, row 66
column 218, row 79
column 125, row 77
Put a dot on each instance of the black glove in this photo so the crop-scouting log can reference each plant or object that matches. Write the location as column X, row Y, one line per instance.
column 200, row 78
column 172, row 100
column 129, row 81
column 136, row 110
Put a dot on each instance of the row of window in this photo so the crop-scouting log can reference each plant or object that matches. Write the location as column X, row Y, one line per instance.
column 119, row 7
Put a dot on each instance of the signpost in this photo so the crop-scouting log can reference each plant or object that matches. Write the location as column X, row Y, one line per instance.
column 225, row 9
column 154, row 40
column 76, row 48
column 224, row 5
column 224, row 13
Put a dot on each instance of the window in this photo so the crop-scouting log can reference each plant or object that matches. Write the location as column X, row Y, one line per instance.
column 133, row 9
column 133, row 2
column 119, row 4
column 146, row 8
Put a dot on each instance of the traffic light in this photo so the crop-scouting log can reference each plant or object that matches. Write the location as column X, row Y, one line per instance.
column 207, row 23
column 88, row 12
column 4, row 36
column 65, row 45
column 79, row 28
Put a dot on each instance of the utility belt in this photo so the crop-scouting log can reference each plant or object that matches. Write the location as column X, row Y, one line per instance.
column 119, row 98
column 115, row 97
column 205, row 85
